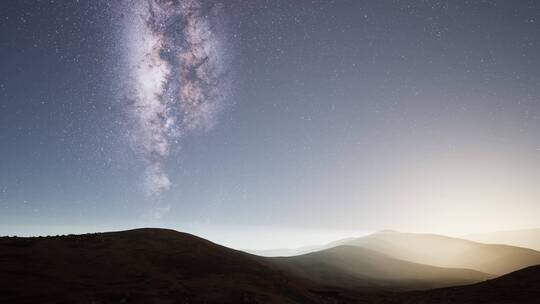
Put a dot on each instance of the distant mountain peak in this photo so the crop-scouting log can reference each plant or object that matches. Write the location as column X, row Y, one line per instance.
column 387, row 231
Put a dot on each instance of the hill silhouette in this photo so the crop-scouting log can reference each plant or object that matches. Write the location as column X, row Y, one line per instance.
column 166, row 266
column 522, row 286
column 138, row 266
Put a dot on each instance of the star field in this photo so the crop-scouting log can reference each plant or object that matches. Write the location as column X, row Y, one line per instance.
column 345, row 115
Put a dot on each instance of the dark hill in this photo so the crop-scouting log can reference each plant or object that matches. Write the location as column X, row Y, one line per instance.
column 139, row 266
column 522, row 286
column 165, row 266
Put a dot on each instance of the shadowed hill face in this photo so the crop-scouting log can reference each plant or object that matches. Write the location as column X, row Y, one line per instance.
column 444, row 251
column 354, row 267
column 138, row 266
column 165, row 266
column 522, row 286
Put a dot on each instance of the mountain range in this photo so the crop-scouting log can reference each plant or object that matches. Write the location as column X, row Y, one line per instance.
column 436, row 250
column 166, row 266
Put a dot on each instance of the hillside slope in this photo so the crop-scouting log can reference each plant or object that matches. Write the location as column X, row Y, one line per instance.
column 360, row 268
column 165, row 266
column 449, row 252
column 522, row 286
column 529, row 238
column 139, row 266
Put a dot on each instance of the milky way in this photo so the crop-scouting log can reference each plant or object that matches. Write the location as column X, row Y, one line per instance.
column 175, row 78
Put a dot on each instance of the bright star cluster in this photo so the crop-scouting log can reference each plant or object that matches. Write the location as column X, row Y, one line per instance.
column 174, row 76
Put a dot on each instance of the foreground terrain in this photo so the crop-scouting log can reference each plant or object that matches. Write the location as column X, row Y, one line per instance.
column 165, row 266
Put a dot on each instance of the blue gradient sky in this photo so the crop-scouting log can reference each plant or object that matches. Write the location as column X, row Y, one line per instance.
column 341, row 117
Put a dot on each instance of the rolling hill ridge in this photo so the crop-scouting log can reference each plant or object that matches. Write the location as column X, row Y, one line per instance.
column 166, row 266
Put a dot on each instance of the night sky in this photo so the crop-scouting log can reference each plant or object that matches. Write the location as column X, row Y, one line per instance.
column 238, row 120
